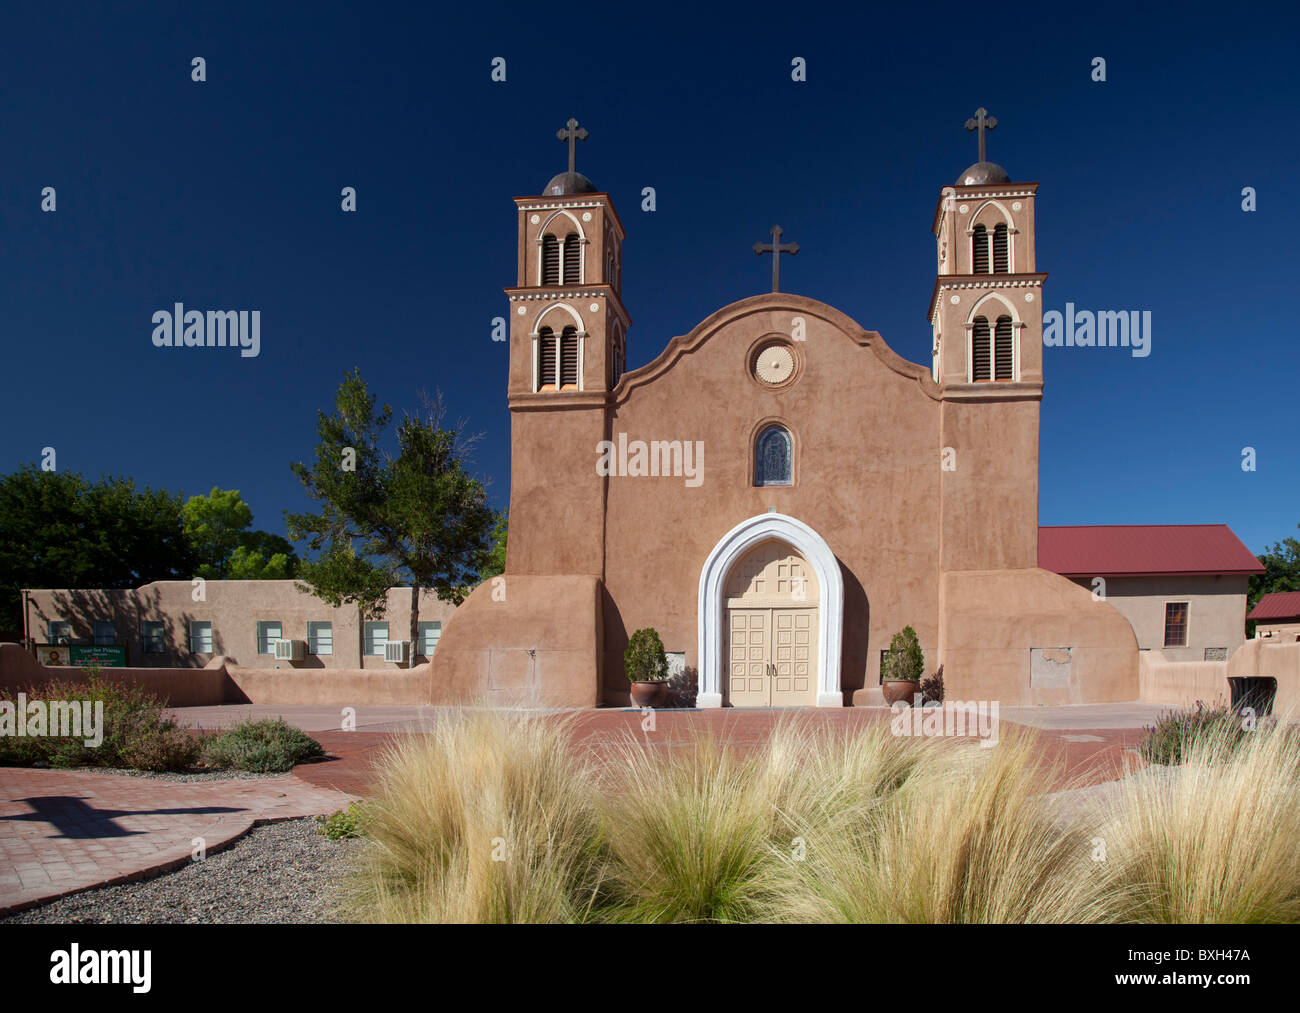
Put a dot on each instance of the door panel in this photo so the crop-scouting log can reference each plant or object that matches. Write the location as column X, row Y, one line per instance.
column 747, row 651
column 794, row 657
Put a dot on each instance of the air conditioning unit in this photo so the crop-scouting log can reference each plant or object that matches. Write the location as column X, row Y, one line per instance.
column 397, row 651
column 290, row 650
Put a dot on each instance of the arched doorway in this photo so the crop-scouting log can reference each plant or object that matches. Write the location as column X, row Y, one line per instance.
column 790, row 541
column 772, row 600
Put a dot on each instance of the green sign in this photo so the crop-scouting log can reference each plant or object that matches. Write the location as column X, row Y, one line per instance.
column 103, row 655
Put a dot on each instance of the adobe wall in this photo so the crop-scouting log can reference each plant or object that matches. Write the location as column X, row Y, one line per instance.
column 865, row 425
column 523, row 641
column 190, row 687
column 992, row 620
column 1183, row 684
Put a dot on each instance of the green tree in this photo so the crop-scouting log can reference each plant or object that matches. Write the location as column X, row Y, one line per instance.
column 217, row 528
column 58, row 529
column 496, row 561
column 1281, row 562
column 418, row 517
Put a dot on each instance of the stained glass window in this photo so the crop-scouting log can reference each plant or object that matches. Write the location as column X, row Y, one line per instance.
column 774, row 457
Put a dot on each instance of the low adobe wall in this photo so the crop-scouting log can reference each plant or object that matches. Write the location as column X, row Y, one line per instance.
column 991, row 619
column 180, row 687
column 335, row 687
column 1184, row 683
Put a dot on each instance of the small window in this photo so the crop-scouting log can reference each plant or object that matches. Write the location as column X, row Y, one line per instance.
column 320, row 638
column 376, row 638
column 58, row 631
column 550, row 260
column 1004, row 352
column 267, row 634
column 152, row 636
column 547, row 359
column 981, row 362
column 104, row 633
column 569, row 357
column 1001, row 251
column 1176, row 624
column 200, row 637
column 979, row 247
column 572, row 259
column 774, row 457
column 430, row 634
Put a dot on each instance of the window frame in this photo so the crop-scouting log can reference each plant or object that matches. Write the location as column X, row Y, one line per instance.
column 211, row 635
column 1187, row 622
column 95, row 627
column 53, row 638
column 147, row 642
column 760, row 431
column 421, row 629
column 313, row 637
column 262, row 638
column 367, row 642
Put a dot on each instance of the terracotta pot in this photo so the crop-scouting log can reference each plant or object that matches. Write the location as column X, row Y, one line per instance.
column 649, row 694
column 900, row 690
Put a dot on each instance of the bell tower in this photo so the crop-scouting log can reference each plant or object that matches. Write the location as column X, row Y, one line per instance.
column 568, row 350
column 986, row 316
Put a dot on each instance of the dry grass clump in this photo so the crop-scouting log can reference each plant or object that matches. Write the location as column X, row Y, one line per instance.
column 492, row 817
column 488, row 818
column 1215, row 838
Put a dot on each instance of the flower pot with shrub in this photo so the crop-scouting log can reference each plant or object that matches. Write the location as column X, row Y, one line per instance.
column 646, row 667
column 900, row 678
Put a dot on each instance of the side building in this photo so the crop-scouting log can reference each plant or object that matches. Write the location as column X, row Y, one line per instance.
column 251, row 623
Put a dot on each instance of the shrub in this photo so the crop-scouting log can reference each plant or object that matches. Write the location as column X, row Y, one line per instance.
column 136, row 735
column 343, row 824
column 263, row 747
column 644, row 659
column 1170, row 739
column 932, row 688
column 904, row 660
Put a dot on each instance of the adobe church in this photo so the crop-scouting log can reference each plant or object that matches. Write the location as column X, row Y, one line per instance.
column 778, row 492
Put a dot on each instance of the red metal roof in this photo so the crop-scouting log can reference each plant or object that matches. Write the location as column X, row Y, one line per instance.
column 1277, row 605
column 1148, row 550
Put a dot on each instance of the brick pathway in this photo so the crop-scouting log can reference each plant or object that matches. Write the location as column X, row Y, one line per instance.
column 63, row 831
column 1088, row 755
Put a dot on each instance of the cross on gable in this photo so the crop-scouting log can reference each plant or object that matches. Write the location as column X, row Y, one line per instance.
column 572, row 133
column 776, row 248
column 982, row 122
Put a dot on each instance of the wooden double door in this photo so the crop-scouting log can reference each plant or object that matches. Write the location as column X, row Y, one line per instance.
column 772, row 656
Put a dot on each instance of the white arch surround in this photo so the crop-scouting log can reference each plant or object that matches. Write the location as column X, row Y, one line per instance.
column 712, row 603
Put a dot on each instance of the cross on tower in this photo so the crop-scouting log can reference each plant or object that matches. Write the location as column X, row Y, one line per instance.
column 776, row 248
column 981, row 121
column 572, row 133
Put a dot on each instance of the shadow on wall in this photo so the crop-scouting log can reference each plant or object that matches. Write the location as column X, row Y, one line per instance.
column 856, row 645
column 128, row 610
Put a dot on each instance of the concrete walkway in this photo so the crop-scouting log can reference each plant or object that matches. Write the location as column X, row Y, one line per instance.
column 63, row 831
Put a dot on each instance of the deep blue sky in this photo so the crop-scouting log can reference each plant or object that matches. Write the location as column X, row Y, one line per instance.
column 225, row 194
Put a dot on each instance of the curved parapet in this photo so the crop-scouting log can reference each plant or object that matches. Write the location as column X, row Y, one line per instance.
column 1029, row 636
column 522, row 641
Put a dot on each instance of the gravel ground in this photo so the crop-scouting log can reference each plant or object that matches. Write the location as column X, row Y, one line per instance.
column 277, row 873
column 173, row 775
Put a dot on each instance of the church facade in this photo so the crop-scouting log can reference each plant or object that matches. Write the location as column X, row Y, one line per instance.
column 778, row 492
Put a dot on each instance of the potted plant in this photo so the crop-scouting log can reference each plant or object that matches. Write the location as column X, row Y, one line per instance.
column 646, row 667
column 900, row 678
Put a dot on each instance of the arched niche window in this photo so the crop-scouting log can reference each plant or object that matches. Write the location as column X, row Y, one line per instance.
column 981, row 360
column 1004, row 351
column 774, row 457
column 550, row 260
column 557, row 359
column 979, row 250
column 572, row 259
column 1001, row 252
